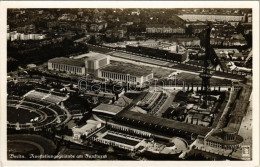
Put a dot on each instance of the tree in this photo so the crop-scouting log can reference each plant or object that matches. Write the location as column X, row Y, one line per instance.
column 83, row 137
column 92, row 40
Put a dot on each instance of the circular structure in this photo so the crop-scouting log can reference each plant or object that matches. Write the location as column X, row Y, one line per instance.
column 21, row 146
column 33, row 114
column 179, row 143
column 230, row 134
column 21, row 115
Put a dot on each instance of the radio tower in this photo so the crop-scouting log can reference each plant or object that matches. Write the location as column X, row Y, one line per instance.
column 205, row 74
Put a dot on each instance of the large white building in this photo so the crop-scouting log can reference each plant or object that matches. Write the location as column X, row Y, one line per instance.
column 80, row 65
column 68, row 65
column 99, row 65
column 126, row 73
column 93, row 61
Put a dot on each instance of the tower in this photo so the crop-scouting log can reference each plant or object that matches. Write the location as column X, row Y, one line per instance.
column 205, row 74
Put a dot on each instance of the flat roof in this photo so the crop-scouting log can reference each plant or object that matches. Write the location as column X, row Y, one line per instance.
column 198, row 116
column 67, row 61
column 84, row 128
column 163, row 26
column 108, row 109
column 127, row 68
column 185, row 39
column 167, row 123
column 229, row 130
column 91, row 56
column 121, row 139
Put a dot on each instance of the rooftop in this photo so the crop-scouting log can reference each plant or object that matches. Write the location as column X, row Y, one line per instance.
column 87, row 127
column 127, row 68
column 166, row 123
column 91, row 56
column 210, row 13
column 163, row 26
column 198, row 116
column 108, row 109
column 67, row 61
column 186, row 39
column 226, row 50
column 217, row 138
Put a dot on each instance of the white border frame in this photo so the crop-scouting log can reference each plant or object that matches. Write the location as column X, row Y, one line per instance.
column 128, row 4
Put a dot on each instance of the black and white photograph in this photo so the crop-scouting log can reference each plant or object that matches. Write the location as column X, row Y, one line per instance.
column 136, row 84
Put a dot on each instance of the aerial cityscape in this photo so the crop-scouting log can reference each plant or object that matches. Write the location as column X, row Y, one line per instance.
column 129, row 84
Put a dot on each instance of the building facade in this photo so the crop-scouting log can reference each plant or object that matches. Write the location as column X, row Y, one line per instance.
column 80, row 65
column 94, row 61
column 67, row 65
column 151, row 29
column 124, row 77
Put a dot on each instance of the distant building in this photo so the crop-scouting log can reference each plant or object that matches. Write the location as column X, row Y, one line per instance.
column 137, row 12
column 234, row 23
column 211, row 17
column 96, row 27
column 229, row 54
column 227, row 42
column 159, row 49
column 187, row 42
column 12, row 36
column 116, row 32
column 68, row 17
column 247, row 28
column 164, row 29
column 249, row 18
column 196, row 29
column 27, row 29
